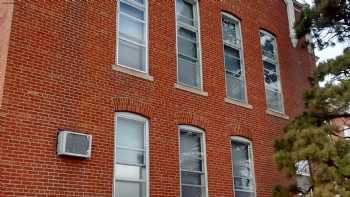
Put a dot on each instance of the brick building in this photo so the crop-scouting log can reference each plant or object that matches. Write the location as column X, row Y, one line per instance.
column 181, row 97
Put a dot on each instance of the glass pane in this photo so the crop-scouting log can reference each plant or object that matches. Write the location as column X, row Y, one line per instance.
column 191, row 163
column 230, row 30
column 270, row 67
column 241, row 161
column 132, row 29
column 187, row 34
column 244, row 194
column 243, row 184
column 235, row 88
column 140, row 1
column 130, row 189
column 274, row 100
column 268, row 45
column 132, row 55
column 271, row 80
column 187, row 191
column 184, row 11
column 232, row 61
column 190, row 148
column 132, row 11
column 130, row 172
column 187, row 48
column 191, row 178
column 130, row 133
column 188, row 73
column 130, row 156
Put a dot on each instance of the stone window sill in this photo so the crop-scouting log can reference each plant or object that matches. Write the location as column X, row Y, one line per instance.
column 277, row 114
column 134, row 73
column 189, row 89
column 245, row 105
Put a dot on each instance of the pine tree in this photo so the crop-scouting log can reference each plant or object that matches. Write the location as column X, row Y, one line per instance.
column 328, row 21
column 311, row 136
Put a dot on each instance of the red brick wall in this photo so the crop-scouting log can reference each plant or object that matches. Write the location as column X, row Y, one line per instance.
column 60, row 75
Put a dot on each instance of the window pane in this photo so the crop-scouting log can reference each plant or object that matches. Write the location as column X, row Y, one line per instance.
column 190, row 148
column 242, row 168
column 241, row 162
column 274, row 100
column 132, row 11
column 267, row 45
column 132, row 29
column 271, row 80
column 130, row 156
column 185, row 12
column 244, row 194
column 132, row 55
column 235, row 87
column 191, row 191
column 191, row 178
column 130, row 172
column 232, row 61
column 140, row 1
column 190, row 144
column 188, row 73
column 230, row 30
column 187, row 34
column 130, row 133
column 130, row 189
column 187, row 48
column 191, row 163
column 270, row 67
column 243, row 184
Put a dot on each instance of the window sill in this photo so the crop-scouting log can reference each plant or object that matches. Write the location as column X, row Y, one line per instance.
column 189, row 89
column 134, row 73
column 231, row 101
column 277, row 114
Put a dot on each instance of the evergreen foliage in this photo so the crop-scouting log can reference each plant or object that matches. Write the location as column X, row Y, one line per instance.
column 311, row 136
column 328, row 21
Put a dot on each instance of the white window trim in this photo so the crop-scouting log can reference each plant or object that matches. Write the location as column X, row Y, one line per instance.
column 136, row 117
column 199, row 47
column 278, row 72
column 133, row 2
column 251, row 159
column 203, row 144
column 241, row 50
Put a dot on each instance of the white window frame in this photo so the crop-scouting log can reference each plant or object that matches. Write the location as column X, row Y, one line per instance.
column 196, row 130
column 146, row 31
column 278, row 72
column 251, row 161
column 196, row 20
column 135, row 117
column 241, row 53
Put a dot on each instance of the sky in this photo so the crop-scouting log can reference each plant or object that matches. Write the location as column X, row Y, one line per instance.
column 329, row 52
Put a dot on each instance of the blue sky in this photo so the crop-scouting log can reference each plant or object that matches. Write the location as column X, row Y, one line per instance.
column 329, row 52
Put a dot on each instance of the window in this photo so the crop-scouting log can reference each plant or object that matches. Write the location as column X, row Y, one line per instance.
column 271, row 72
column 132, row 34
column 131, row 156
column 188, row 55
column 304, row 185
column 192, row 162
column 234, row 68
column 243, row 175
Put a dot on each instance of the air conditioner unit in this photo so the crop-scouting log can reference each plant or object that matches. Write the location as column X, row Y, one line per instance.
column 74, row 144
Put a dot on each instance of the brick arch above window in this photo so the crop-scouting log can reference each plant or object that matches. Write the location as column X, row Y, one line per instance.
column 188, row 118
column 236, row 129
column 133, row 105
